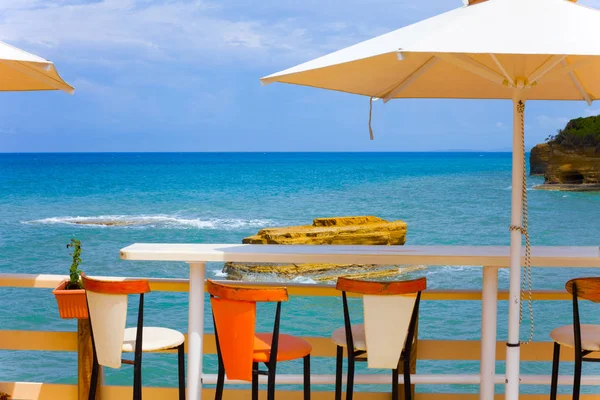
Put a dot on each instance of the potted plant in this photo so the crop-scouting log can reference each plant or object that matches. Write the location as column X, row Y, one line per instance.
column 70, row 294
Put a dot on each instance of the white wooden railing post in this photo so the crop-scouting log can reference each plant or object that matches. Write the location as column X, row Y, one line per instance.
column 195, row 331
column 489, row 311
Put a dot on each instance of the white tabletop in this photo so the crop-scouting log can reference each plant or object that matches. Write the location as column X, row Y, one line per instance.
column 498, row 256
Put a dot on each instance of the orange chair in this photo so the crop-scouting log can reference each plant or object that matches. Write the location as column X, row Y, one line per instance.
column 240, row 349
column 107, row 307
column 391, row 311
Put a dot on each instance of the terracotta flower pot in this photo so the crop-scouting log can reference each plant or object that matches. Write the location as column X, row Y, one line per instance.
column 71, row 303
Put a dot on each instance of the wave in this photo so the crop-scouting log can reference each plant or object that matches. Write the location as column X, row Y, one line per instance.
column 529, row 187
column 167, row 221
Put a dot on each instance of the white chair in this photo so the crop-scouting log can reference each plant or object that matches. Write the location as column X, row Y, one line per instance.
column 107, row 307
column 391, row 311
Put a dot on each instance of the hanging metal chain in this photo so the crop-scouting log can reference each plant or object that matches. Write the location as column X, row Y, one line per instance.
column 526, row 283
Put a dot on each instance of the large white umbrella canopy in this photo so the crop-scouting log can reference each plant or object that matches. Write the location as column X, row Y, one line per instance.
column 480, row 51
column 496, row 49
column 23, row 71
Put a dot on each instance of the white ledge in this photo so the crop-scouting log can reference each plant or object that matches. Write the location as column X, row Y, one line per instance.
column 496, row 256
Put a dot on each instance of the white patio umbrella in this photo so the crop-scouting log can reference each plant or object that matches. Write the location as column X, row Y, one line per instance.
column 23, row 71
column 497, row 49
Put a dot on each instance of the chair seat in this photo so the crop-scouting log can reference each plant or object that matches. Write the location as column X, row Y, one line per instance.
column 358, row 337
column 289, row 347
column 590, row 336
column 153, row 339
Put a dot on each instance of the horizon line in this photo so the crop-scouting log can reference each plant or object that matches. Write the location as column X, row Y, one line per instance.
column 257, row 152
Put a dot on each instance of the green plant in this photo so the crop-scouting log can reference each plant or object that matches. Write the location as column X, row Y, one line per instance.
column 75, row 272
column 578, row 133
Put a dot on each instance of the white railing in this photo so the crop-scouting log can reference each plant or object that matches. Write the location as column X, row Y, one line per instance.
column 491, row 257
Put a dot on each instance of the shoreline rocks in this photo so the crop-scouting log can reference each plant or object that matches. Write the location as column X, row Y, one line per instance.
column 105, row 223
column 569, row 187
column 315, row 272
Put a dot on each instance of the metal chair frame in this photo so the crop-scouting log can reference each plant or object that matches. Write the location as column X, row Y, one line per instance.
column 355, row 355
column 579, row 353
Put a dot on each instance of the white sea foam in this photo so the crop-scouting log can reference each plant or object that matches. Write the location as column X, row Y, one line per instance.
column 530, row 187
column 219, row 273
column 108, row 221
column 303, row 279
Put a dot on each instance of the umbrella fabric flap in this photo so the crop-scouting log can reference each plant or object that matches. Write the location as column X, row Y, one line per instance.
column 23, row 71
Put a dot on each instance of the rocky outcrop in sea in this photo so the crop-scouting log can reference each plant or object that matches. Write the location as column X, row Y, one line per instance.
column 570, row 160
column 363, row 230
column 566, row 169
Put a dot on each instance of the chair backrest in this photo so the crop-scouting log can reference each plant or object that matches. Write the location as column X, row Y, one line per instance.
column 234, row 313
column 107, row 306
column 585, row 288
column 390, row 315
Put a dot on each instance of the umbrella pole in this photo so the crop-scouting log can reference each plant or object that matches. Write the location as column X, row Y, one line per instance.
column 513, row 354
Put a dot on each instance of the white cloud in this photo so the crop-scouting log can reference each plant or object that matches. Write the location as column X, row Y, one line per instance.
column 201, row 31
column 500, row 125
column 548, row 122
column 590, row 3
column 8, row 131
column 173, row 30
column 588, row 112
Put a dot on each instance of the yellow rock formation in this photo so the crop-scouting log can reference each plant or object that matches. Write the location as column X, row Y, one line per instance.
column 337, row 230
column 361, row 230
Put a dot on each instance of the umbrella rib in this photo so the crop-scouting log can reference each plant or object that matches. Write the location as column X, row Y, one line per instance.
column 408, row 80
column 471, row 65
column 573, row 75
column 566, row 68
column 545, row 67
column 506, row 74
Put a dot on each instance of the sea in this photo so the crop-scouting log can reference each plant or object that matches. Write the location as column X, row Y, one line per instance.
column 445, row 198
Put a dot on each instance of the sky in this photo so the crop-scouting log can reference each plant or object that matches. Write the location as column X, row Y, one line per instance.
column 182, row 75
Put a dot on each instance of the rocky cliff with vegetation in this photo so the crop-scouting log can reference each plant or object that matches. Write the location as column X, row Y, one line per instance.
column 363, row 230
column 570, row 160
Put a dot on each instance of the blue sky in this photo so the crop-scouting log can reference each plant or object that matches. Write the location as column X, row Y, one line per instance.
column 183, row 75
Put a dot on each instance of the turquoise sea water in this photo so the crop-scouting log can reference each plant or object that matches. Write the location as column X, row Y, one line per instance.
column 446, row 198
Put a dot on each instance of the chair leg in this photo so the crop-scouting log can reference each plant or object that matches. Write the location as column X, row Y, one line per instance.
column 555, row 366
column 220, row 380
column 577, row 377
column 254, row 381
column 395, row 384
column 350, row 378
column 407, row 388
column 338, row 372
column 181, row 371
column 94, row 380
column 307, row 377
column 137, row 378
column 271, row 381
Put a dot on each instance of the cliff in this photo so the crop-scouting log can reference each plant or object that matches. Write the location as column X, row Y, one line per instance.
column 570, row 160
column 363, row 230
column 538, row 159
